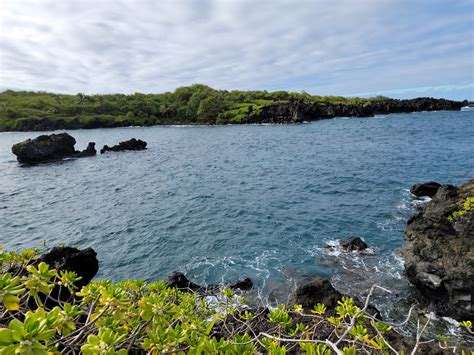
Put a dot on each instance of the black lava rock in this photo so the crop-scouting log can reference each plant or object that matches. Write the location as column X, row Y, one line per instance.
column 353, row 244
column 426, row 189
column 131, row 144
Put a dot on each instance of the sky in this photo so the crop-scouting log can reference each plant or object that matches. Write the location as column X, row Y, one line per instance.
column 397, row 48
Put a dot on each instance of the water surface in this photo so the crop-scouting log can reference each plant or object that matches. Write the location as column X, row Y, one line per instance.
column 219, row 203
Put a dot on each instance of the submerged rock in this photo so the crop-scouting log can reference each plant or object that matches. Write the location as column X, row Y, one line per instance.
column 49, row 147
column 131, row 144
column 426, row 189
column 439, row 252
column 353, row 244
column 180, row 281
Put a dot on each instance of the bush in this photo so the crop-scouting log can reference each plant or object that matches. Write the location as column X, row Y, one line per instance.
column 135, row 316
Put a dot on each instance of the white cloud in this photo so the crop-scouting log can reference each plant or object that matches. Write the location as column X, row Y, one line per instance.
column 324, row 47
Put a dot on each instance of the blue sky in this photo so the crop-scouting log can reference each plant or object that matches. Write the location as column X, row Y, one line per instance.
column 398, row 48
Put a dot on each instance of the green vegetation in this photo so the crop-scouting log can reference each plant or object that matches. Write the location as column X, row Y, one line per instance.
column 468, row 206
column 133, row 316
column 194, row 104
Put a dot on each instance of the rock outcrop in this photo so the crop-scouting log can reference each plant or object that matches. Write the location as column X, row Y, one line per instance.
column 83, row 262
column 180, row 281
column 44, row 148
column 353, row 244
column 319, row 290
column 49, row 147
column 88, row 152
column 131, row 144
column 298, row 111
column 425, row 189
column 439, row 252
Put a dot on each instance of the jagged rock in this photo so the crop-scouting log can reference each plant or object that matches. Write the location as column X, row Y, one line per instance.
column 426, row 189
column 83, row 262
column 320, row 290
column 353, row 244
column 298, row 111
column 50, row 147
column 180, row 281
column 131, row 144
column 44, row 148
column 243, row 285
column 88, row 152
column 439, row 253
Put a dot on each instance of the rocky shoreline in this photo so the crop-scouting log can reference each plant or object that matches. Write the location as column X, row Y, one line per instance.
column 439, row 251
column 278, row 112
column 439, row 263
column 298, row 111
column 308, row 296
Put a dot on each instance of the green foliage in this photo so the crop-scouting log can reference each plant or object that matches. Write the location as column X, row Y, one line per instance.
column 28, row 337
column 10, row 288
column 186, row 105
column 134, row 316
column 468, row 206
column 319, row 309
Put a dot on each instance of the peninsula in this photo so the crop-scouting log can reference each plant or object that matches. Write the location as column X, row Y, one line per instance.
column 195, row 104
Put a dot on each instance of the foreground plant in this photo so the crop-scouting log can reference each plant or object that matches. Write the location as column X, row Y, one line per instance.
column 133, row 316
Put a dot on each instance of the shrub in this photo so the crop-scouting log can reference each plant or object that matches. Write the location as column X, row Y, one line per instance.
column 136, row 316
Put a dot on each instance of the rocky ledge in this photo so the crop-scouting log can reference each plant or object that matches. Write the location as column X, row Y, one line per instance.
column 297, row 111
column 439, row 252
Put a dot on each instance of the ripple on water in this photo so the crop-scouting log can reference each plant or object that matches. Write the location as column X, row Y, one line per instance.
column 228, row 202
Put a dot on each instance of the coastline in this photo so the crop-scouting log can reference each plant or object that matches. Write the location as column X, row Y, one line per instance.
column 195, row 105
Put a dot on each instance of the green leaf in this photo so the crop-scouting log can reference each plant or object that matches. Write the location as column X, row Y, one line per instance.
column 11, row 302
column 5, row 336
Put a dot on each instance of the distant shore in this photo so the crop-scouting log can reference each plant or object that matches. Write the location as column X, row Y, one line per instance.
column 193, row 105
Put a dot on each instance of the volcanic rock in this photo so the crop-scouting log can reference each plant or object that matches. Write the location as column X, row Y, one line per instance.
column 439, row 252
column 44, row 148
column 88, row 152
column 353, row 244
column 180, row 281
column 131, row 144
column 426, row 189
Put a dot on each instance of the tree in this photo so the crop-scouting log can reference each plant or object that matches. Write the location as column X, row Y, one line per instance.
column 209, row 108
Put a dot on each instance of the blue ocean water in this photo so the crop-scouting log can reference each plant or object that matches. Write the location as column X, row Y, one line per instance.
column 219, row 203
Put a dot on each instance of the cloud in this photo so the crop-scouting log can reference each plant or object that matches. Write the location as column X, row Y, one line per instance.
column 323, row 47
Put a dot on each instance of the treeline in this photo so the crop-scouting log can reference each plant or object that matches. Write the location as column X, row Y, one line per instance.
column 196, row 104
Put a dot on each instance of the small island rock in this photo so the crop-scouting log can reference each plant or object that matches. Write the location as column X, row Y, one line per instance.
column 353, row 244
column 44, row 148
column 131, row 144
column 50, row 147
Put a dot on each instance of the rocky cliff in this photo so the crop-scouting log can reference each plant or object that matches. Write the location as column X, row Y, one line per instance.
column 297, row 111
column 439, row 251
